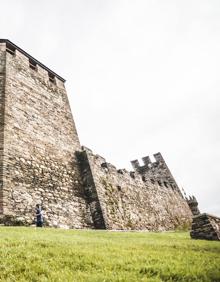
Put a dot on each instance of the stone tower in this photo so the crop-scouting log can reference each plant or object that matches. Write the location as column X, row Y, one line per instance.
column 38, row 143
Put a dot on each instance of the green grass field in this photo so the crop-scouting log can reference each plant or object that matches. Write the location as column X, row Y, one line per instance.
column 29, row 254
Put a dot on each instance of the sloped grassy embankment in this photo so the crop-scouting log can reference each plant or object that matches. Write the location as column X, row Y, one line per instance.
column 29, row 254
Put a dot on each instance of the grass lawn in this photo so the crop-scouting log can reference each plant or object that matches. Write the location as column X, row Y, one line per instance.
column 29, row 254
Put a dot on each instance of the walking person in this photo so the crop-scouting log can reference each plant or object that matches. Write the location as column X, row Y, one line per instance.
column 39, row 216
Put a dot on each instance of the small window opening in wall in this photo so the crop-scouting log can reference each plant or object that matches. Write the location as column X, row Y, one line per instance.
column 10, row 49
column 52, row 78
column 143, row 178
column 33, row 65
column 165, row 183
column 159, row 182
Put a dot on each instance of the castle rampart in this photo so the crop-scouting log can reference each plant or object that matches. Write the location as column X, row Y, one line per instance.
column 41, row 162
column 129, row 201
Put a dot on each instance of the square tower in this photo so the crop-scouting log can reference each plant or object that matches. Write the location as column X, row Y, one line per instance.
column 38, row 141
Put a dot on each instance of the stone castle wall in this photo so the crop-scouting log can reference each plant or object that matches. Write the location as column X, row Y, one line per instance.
column 132, row 200
column 41, row 162
column 40, row 141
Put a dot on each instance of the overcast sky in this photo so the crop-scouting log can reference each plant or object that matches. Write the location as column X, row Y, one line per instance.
column 142, row 76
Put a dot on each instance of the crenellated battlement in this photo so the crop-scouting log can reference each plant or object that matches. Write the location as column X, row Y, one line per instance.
column 151, row 173
column 147, row 163
column 157, row 171
column 192, row 199
column 36, row 68
column 123, row 196
column 109, row 168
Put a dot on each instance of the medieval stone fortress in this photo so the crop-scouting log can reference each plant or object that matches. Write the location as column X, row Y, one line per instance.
column 42, row 162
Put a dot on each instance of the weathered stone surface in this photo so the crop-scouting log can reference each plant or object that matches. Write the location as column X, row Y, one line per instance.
column 193, row 205
column 205, row 226
column 133, row 200
column 40, row 139
column 2, row 117
column 41, row 162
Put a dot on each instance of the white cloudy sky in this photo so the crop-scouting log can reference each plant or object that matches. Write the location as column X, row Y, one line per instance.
column 142, row 76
